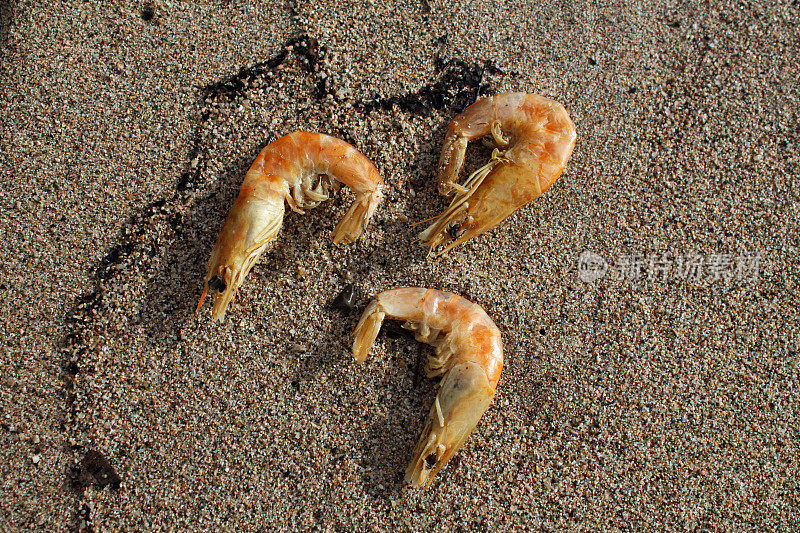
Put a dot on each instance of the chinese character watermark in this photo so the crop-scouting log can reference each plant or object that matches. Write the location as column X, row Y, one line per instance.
column 668, row 266
column 591, row 267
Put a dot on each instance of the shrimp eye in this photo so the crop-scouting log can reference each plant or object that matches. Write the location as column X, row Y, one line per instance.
column 430, row 461
column 216, row 283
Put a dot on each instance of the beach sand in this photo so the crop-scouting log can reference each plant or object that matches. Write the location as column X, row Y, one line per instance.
column 662, row 395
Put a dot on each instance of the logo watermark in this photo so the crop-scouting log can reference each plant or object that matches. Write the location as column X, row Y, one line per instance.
column 668, row 266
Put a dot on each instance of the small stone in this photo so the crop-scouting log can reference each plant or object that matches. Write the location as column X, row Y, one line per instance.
column 345, row 300
column 297, row 348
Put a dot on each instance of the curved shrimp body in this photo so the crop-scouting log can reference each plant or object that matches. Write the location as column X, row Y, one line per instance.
column 469, row 357
column 299, row 169
column 534, row 138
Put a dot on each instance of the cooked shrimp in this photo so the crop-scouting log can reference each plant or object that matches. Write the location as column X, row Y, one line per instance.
column 534, row 138
column 469, row 357
column 300, row 169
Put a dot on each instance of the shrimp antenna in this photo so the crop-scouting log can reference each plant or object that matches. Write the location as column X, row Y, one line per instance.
column 202, row 297
column 480, row 82
column 426, row 220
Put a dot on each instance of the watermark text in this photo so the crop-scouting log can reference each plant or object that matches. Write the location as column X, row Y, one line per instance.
column 670, row 266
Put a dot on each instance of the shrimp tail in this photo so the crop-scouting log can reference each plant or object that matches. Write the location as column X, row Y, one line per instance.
column 367, row 330
column 464, row 396
column 352, row 225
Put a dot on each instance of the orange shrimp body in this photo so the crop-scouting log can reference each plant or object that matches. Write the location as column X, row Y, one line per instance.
column 469, row 357
column 299, row 169
column 534, row 138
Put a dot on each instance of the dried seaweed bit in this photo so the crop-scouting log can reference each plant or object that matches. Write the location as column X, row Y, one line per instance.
column 233, row 87
column 321, row 90
column 175, row 221
column 85, row 306
column 148, row 12
column 155, row 208
column 309, row 49
column 112, row 262
column 197, row 164
column 107, row 267
column 273, row 62
column 85, row 514
column 95, row 470
column 112, row 257
column 459, row 85
column 345, row 300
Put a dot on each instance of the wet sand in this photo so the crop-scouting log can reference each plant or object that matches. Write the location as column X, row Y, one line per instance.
column 658, row 391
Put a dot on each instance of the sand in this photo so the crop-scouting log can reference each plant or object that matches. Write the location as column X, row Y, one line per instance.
column 652, row 397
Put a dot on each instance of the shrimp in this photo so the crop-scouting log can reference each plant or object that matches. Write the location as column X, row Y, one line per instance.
column 469, row 357
column 300, row 169
column 534, row 138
